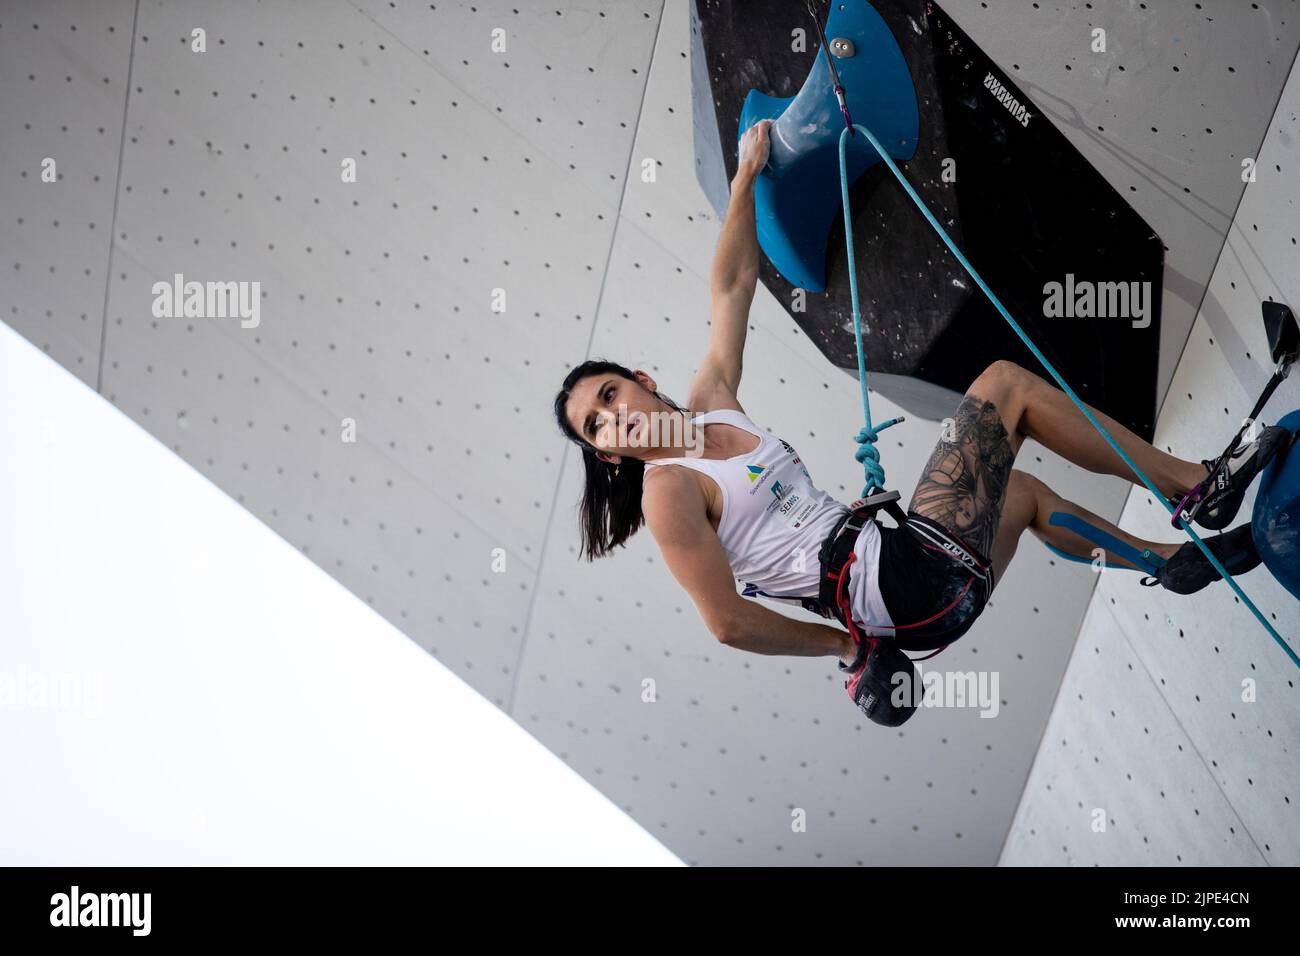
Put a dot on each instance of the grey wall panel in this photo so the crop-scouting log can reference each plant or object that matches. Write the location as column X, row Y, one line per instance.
column 569, row 80
column 378, row 295
column 1118, row 780
column 63, row 76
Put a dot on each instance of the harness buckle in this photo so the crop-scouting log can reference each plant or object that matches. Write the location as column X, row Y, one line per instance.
column 886, row 500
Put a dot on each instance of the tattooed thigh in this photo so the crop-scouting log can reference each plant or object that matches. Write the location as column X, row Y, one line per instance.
column 964, row 484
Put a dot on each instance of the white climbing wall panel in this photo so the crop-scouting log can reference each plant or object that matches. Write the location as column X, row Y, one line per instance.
column 519, row 171
column 1151, row 725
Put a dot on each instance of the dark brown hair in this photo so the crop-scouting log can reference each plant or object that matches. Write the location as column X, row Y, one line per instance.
column 611, row 501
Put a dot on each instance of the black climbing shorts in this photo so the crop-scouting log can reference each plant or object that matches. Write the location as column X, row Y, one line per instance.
column 931, row 578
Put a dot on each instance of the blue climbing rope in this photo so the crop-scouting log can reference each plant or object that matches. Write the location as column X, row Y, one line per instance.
column 870, row 457
column 866, row 438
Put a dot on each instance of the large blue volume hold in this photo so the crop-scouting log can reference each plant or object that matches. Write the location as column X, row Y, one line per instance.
column 795, row 206
column 1275, row 522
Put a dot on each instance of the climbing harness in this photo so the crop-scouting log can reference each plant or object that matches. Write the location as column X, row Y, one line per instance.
column 837, row 556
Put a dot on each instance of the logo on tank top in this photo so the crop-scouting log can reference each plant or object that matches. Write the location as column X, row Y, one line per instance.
column 755, row 470
column 792, row 504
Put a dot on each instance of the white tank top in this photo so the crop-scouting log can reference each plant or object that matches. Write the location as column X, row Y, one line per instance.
column 774, row 521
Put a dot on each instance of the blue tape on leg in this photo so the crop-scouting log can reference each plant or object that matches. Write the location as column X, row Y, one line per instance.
column 1143, row 560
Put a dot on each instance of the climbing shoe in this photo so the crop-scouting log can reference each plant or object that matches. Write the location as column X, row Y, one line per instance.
column 1188, row 570
column 1223, row 490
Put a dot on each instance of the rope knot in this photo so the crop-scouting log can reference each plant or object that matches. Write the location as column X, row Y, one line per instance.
column 869, row 456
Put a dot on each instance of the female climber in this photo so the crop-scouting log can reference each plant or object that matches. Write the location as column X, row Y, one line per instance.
column 727, row 500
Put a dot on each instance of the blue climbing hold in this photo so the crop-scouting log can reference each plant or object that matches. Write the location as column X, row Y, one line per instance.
column 1275, row 523
column 796, row 205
